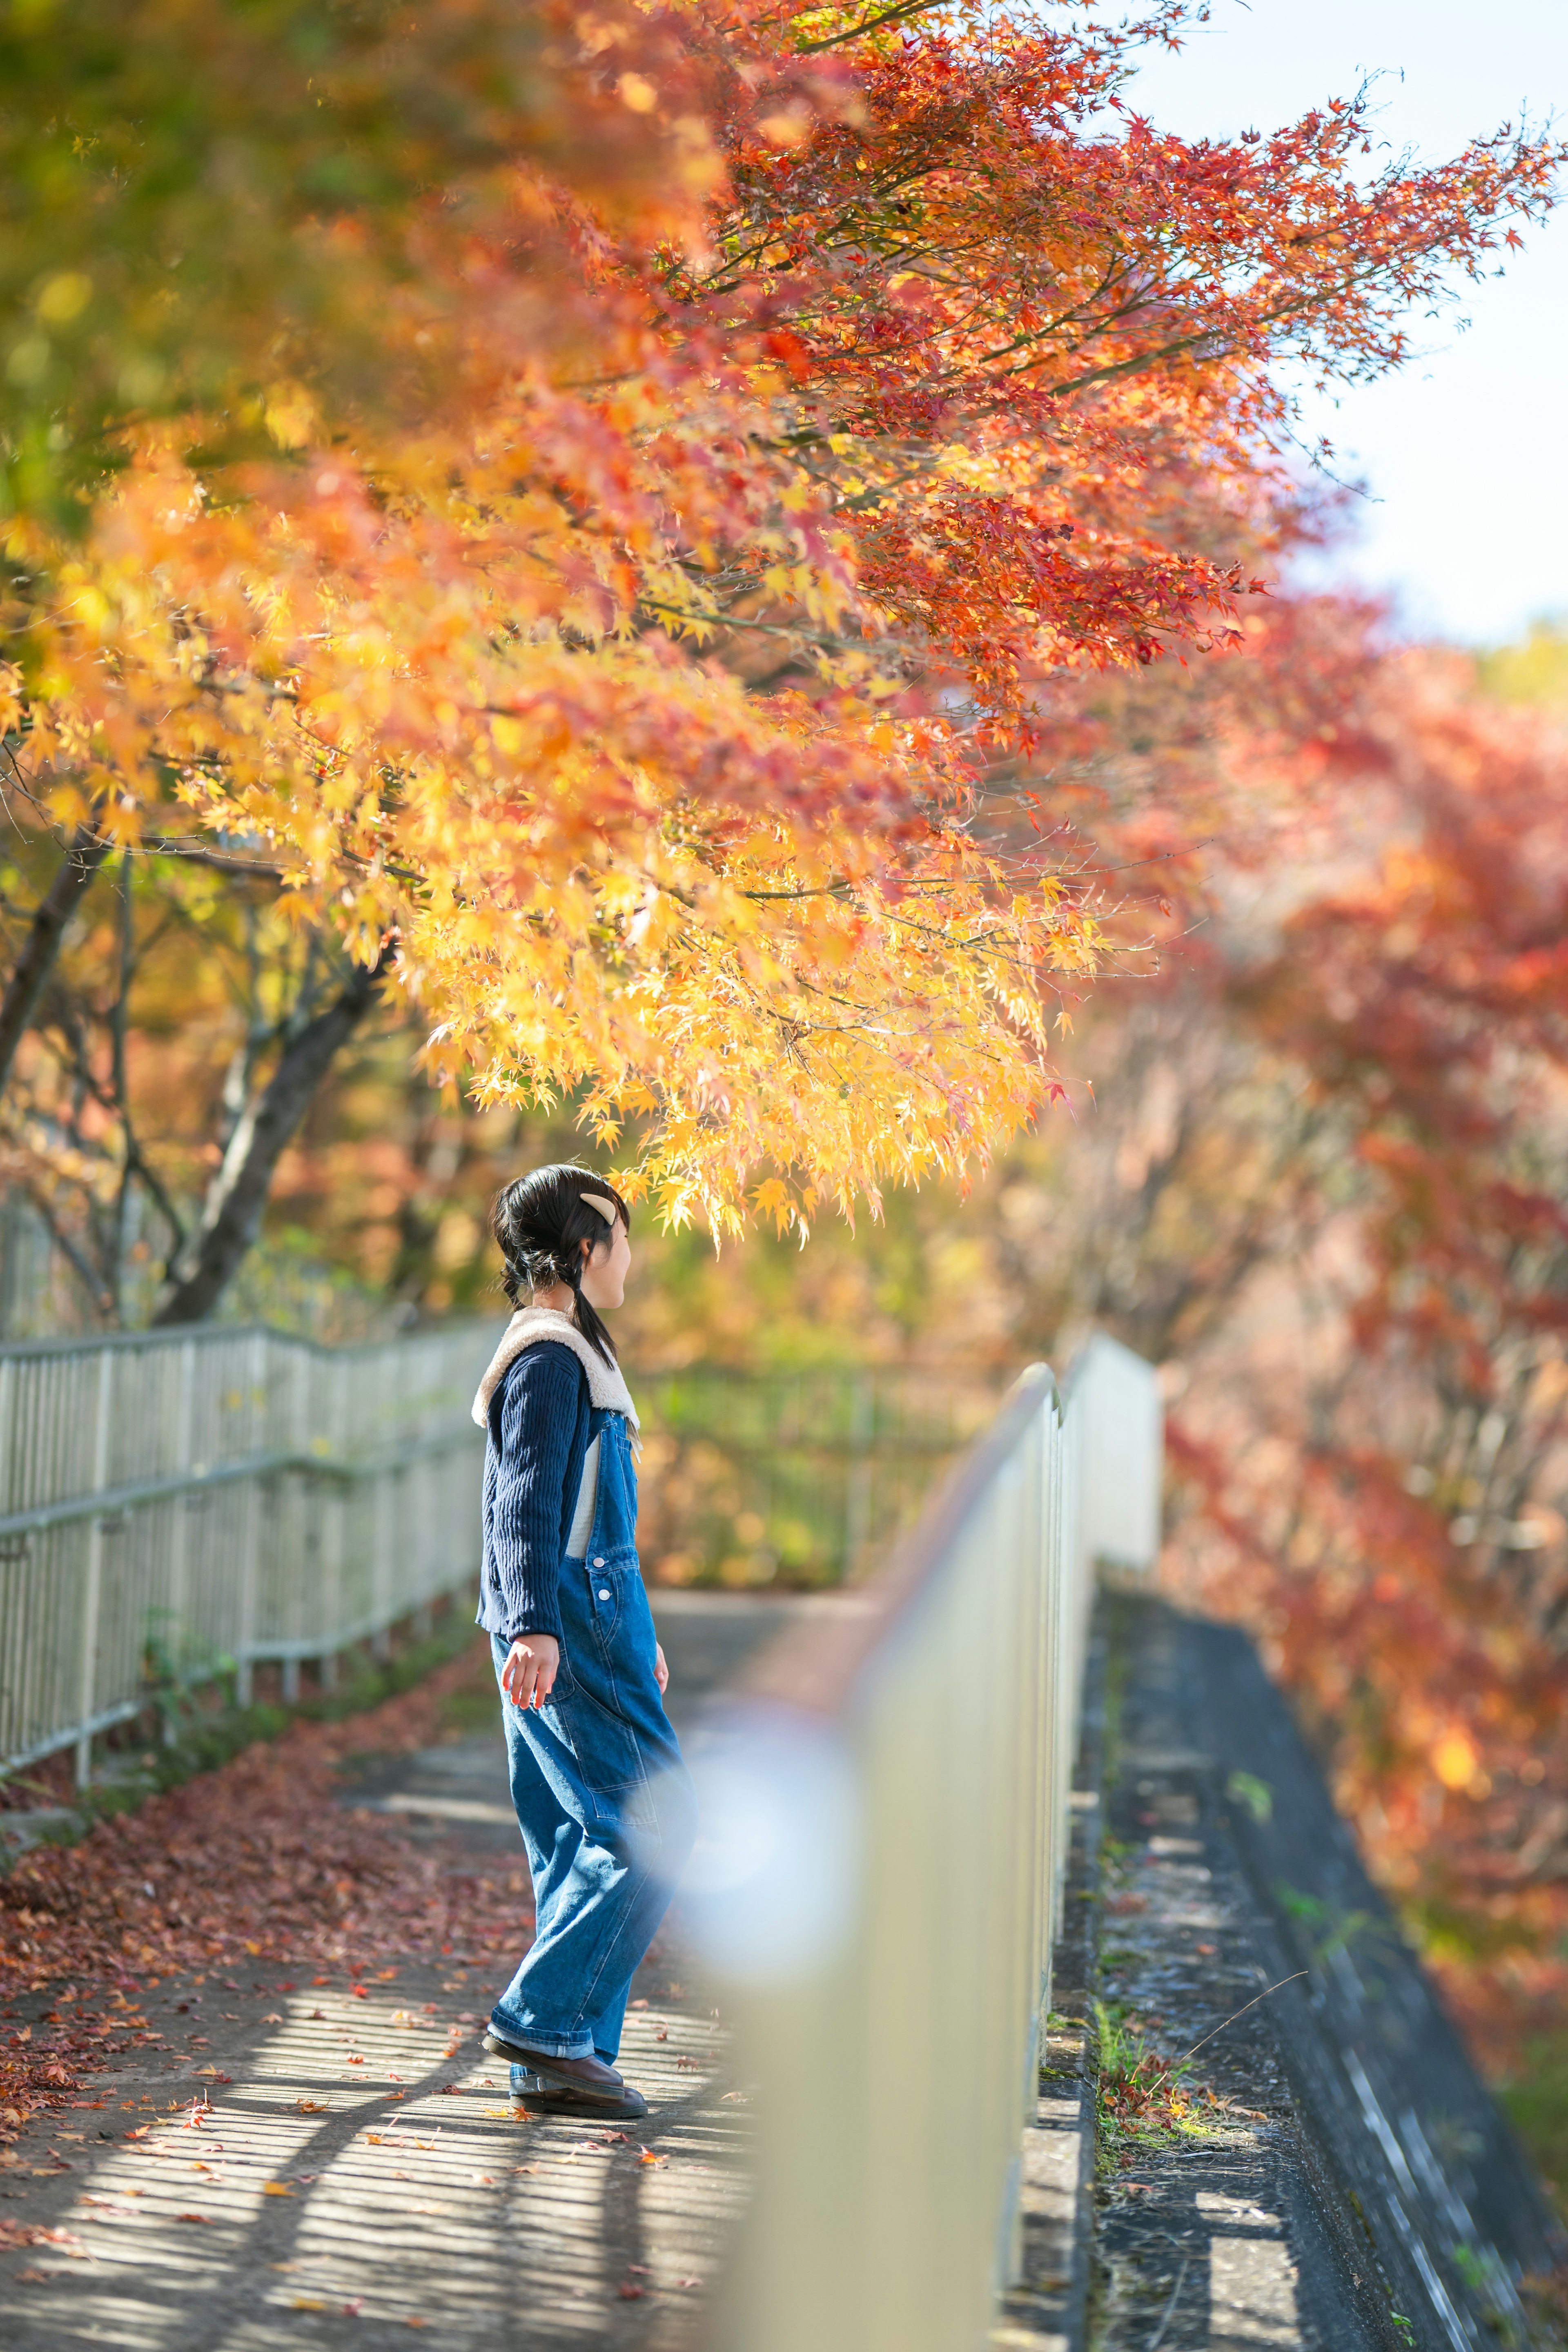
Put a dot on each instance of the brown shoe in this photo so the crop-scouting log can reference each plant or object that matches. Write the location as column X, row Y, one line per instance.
column 571, row 2085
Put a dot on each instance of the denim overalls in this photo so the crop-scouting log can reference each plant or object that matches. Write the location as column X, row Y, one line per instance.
column 605, row 1803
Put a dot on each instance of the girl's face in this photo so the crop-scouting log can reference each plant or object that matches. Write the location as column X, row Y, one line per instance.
column 604, row 1272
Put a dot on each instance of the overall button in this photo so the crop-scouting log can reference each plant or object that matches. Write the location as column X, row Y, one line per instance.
column 603, row 1591
column 599, row 1561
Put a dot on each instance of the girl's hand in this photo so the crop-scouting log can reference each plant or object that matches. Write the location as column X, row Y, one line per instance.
column 529, row 1674
column 660, row 1671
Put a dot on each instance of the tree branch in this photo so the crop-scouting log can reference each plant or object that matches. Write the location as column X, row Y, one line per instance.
column 86, row 853
column 202, row 1272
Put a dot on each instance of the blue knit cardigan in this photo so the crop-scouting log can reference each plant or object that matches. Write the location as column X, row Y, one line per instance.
column 539, row 1425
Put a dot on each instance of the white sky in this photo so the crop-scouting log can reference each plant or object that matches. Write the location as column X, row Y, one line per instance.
column 1465, row 449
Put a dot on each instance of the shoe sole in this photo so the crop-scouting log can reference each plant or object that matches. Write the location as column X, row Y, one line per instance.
column 630, row 2109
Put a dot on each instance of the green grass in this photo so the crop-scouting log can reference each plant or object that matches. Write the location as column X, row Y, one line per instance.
column 1536, row 2104
column 1143, row 2098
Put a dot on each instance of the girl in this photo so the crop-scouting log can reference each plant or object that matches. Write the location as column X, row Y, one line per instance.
column 603, row 1797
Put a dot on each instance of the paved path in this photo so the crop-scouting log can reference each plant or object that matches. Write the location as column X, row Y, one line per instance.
column 330, row 2161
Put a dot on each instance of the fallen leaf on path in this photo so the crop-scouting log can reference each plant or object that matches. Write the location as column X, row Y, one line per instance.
column 36, row 2233
column 277, row 2189
column 193, row 2217
column 647, row 2157
column 629, row 2293
column 235, row 1832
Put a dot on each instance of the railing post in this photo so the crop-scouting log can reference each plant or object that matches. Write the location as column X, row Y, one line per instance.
column 381, row 1518
column 179, row 1532
column 8, row 1409
column 936, row 1731
column 858, row 1494
column 245, row 1668
column 91, row 1597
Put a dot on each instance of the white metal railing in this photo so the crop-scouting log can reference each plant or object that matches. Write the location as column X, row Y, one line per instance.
column 881, row 1880
column 171, row 1499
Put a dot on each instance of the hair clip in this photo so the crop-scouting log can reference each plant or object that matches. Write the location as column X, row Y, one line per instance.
column 598, row 1201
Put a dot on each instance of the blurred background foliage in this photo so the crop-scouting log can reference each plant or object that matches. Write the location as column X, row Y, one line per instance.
column 196, row 202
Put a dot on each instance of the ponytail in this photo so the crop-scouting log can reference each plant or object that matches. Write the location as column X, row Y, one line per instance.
column 539, row 1224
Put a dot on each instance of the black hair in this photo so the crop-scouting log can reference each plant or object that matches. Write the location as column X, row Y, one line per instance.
column 540, row 1222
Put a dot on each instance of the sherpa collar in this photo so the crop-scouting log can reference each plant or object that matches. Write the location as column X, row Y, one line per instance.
column 529, row 1326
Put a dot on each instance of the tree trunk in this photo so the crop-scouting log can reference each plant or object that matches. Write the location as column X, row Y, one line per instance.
column 231, row 1220
column 82, row 859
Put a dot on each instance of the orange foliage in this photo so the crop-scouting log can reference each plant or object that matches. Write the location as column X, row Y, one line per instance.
column 759, row 409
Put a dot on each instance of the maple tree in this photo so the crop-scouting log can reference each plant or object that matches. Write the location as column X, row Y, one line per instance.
column 1411, row 1564
column 1319, row 1179
column 629, row 487
column 1338, row 1148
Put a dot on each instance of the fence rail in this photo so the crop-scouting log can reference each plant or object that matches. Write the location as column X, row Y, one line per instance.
column 169, row 1500
column 171, row 1503
column 887, row 1827
column 805, row 1479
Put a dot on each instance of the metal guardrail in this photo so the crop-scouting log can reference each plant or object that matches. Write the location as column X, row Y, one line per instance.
column 174, row 1503
column 888, row 1822
column 171, row 1499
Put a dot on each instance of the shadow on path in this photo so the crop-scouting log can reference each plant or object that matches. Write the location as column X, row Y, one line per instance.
column 325, row 2160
